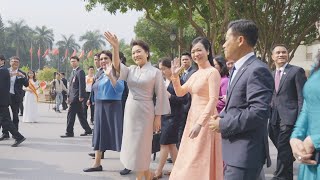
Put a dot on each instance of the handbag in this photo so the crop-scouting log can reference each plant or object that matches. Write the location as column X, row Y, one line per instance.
column 156, row 144
column 53, row 92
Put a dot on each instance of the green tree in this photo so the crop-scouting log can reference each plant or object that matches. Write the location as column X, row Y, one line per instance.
column 2, row 36
column 44, row 37
column 94, row 40
column 289, row 22
column 18, row 35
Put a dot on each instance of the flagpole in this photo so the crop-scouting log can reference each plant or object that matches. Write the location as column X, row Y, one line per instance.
column 31, row 56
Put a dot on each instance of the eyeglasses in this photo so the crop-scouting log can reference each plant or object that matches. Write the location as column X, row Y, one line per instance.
column 104, row 58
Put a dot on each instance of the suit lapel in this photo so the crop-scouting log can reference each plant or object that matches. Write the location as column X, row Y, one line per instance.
column 284, row 76
column 242, row 69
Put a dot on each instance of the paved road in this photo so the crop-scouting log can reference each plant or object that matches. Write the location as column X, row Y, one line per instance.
column 46, row 156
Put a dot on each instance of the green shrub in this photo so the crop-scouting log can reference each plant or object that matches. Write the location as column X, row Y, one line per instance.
column 46, row 74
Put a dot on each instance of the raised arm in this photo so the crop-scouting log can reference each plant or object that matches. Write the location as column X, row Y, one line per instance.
column 175, row 69
column 113, row 40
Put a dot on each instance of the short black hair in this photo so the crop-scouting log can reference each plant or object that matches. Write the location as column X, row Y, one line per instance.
column 2, row 57
column 90, row 67
column 108, row 53
column 276, row 45
column 123, row 59
column 142, row 44
column 165, row 61
column 75, row 57
column 98, row 55
column 186, row 54
column 62, row 73
column 246, row 28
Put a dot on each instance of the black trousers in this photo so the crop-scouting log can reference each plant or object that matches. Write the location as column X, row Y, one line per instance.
column 85, row 108
column 76, row 109
column 238, row 173
column 64, row 102
column 7, row 124
column 280, row 136
column 15, row 114
column 181, row 126
column 21, row 108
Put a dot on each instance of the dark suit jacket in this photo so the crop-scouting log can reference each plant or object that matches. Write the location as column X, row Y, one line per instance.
column 187, row 103
column 243, row 123
column 65, row 83
column 4, row 86
column 18, row 91
column 77, row 86
column 287, row 102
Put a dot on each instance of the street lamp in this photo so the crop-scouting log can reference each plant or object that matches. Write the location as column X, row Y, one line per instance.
column 173, row 37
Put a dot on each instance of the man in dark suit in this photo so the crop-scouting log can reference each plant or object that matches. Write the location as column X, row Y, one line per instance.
column 64, row 93
column 286, row 104
column 189, row 69
column 5, row 121
column 75, row 97
column 243, row 123
column 18, row 79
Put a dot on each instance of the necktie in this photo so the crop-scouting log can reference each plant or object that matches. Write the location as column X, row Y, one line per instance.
column 277, row 80
column 184, row 76
column 230, row 78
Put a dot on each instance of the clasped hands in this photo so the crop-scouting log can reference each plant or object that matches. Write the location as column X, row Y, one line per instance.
column 214, row 123
column 302, row 150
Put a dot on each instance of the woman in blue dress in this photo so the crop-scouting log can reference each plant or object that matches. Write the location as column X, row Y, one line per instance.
column 305, row 139
column 108, row 115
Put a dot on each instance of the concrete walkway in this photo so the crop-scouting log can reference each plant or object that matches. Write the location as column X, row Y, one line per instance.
column 46, row 156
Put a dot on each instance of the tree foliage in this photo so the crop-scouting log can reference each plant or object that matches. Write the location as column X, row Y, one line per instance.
column 94, row 40
column 290, row 21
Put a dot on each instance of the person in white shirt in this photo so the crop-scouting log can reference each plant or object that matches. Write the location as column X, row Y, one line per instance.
column 89, row 82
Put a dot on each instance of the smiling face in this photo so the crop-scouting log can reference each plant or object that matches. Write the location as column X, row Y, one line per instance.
column 199, row 53
column 14, row 63
column 96, row 61
column 30, row 74
column 280, row 56
column 74, row 63
column 104, row 61
column 139, row 55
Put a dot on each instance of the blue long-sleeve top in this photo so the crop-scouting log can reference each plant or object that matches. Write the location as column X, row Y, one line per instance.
column 103, row 89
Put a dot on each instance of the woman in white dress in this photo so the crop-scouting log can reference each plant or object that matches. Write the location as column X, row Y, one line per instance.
column 141, row 115
column 30, row 102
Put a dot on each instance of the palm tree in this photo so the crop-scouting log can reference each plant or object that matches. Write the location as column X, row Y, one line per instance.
column 93, row 40
column 18, row 35
column 68, row 43
column 43, row 37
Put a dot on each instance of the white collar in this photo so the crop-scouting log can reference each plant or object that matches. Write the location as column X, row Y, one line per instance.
column 283, row 67
column 242, row 60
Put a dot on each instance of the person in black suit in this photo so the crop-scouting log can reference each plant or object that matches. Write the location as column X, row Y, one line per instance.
column 5, row 97
column 286, row 105
column 75, row 97
column 64, row 93
column 189, row 69
column 18, row 79
column 243, row 122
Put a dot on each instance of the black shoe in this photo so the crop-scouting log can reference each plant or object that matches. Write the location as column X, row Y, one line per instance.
column 18, row 141
column 125, row 171
column 58, row 111
column 20, row 115
column 67, row 135
column 4, row 137
column 99, row 168
column 169, row 160
column 86, row 133
column 93, row 155
column 54, row 108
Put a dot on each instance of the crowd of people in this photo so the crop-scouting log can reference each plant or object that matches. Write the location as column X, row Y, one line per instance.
column 214, row 114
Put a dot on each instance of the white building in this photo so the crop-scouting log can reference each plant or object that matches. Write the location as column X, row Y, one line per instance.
column 305, row 55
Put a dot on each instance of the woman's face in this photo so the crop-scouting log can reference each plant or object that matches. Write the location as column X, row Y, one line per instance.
column 216, row 65
column 139, row 55
column 166, row 72
column 30, row 74
column 104, row 61
column 199, row 53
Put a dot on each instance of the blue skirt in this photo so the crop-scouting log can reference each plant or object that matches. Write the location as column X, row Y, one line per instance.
column 108, row 125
